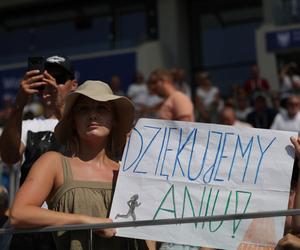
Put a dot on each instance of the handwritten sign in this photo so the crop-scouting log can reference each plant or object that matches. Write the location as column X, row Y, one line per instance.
column 174, row 169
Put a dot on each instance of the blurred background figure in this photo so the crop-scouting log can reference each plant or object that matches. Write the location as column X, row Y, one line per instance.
column 255, row 82
column 228, row 117
column 289, row 120
column 116, row 85
column 153, row 104
column 138, row 93
column 289, row 78
column 176, row 105
column 145, row 101
column 208, row 102
column 242, row 107
column 262, row 116
column 277, row 101
column 179, row 77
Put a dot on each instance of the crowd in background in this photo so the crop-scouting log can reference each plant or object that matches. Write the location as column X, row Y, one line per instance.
column 253, row 103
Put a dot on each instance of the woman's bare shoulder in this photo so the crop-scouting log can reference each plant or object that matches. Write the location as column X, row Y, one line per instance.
column 50, row 158
column 45, row 167
column 52, row 155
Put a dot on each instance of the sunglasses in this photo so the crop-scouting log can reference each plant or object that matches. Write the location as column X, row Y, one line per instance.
column 60, row 78
column 60, row 75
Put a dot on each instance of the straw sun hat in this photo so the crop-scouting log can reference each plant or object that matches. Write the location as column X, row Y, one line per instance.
column 99, row 91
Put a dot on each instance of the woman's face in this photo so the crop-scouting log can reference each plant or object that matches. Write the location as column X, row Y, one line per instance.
column 92, row 118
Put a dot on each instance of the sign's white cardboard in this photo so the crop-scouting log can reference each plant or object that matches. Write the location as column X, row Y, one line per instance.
column 174, row 169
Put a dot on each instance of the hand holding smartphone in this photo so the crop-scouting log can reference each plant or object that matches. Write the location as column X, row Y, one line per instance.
column 37, row 63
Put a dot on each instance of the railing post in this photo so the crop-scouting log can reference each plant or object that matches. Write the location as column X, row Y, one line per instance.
column 91, row 239
column 14, row 181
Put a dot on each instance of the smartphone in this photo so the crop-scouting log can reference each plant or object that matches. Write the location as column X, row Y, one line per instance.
column 36, row 62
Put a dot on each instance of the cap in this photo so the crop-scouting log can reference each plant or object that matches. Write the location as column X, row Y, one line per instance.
column 62, row 61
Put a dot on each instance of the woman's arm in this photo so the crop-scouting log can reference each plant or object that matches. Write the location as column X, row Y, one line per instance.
column 41, row 180
column 26, row 210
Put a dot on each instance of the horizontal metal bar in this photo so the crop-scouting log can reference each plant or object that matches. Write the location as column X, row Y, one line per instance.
column 240, row 216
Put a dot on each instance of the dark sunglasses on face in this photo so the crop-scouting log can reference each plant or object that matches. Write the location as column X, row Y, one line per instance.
column 60, row 78
column 59, row 74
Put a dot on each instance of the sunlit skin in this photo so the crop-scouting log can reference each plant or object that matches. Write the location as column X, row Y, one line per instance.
column 92, row 118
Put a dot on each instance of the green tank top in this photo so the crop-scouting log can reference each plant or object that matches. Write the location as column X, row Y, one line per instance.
column 89, row 198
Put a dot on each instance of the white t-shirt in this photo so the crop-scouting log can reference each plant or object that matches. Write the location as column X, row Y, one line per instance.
column 283, row 122
column 287, row 82
column 138, row 93
column 140, row 96
column 242, row 114
column 207, row 96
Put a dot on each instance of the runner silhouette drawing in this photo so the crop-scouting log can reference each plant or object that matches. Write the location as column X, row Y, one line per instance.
column 132, row 204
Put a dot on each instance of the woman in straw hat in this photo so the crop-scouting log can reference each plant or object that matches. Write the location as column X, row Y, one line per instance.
column 78, row 186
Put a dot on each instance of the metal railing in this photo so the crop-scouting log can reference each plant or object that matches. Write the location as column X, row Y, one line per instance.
column 98, row 226
column 140, row 223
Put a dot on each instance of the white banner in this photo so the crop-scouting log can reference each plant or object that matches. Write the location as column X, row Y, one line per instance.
column 174, row 169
